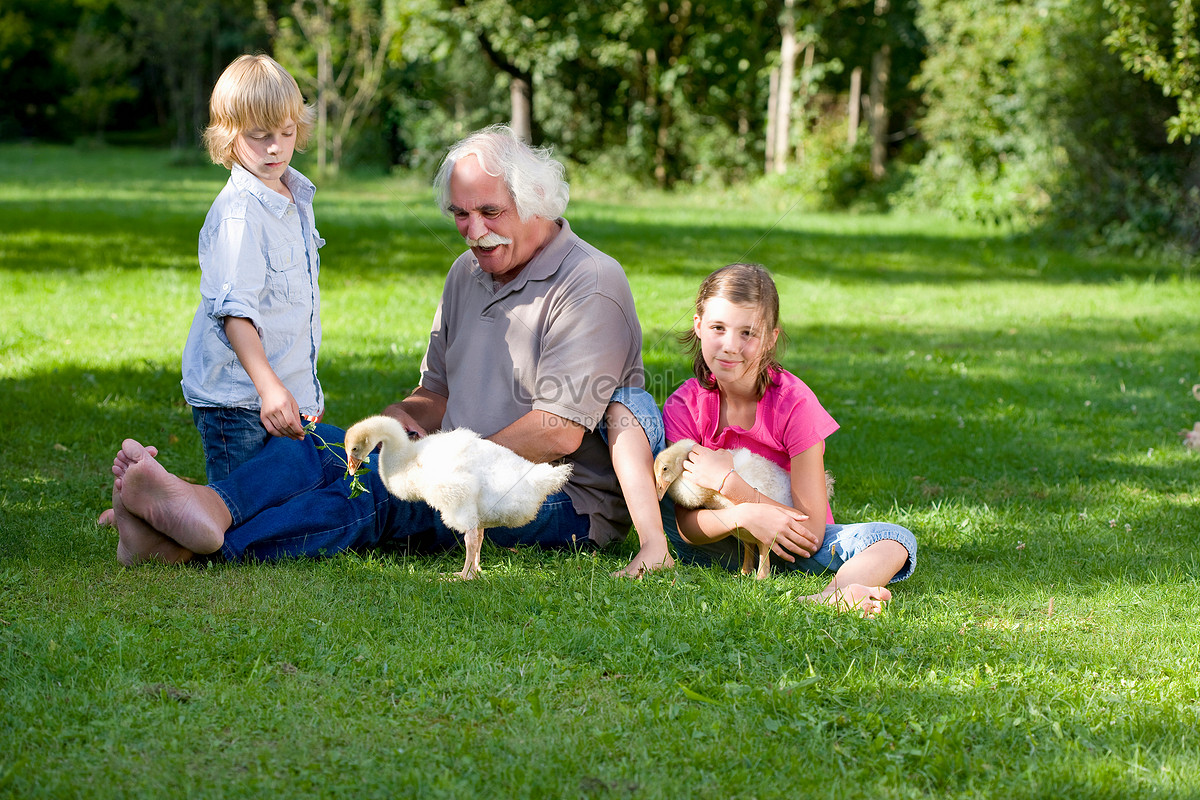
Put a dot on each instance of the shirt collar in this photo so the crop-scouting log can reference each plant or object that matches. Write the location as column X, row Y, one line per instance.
column 541, row 266
column 301, row 187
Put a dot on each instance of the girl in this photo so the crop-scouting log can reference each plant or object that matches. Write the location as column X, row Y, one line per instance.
column 742, row 397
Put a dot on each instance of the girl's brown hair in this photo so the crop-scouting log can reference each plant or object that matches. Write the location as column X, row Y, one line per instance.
column 254, row 92
column 744, row 285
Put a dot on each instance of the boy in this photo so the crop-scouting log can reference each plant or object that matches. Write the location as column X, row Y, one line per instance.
column 250, row 362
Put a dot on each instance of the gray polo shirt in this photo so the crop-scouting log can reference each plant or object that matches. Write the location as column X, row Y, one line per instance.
column 560, row 337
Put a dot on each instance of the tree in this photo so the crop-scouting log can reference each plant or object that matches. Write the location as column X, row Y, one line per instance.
column 779, row 104
column 338, row 50
column 177, row 39
column 877, row 124
column 33, row 33
column 1174, row 65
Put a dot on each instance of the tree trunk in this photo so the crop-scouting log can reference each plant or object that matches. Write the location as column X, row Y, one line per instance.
column 520, row 90
column 855, row 106
column 880, row 67
column 521, row 96
column 810, row 52
column 772, row 110
column 324, row 86
column 787, row 69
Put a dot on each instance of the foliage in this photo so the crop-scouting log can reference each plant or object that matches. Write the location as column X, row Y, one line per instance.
column 987, row 151
column 1175, row 66
column 1000, row 111
column 337, row 50
column 1015, row 403
column 32, row 35
column 829, row 174
column 1029, row 119
column 101, row 65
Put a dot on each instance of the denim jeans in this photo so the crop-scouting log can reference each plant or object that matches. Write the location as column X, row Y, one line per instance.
column 641, row 405
column 231, row 436
column 292, row 500
column 841, row 543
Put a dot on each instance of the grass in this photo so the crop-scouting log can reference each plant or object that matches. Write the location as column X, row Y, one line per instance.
column 1015, row 404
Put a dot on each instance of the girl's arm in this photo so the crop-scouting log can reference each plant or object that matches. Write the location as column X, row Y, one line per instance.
column 790, row 530
column 280, row 413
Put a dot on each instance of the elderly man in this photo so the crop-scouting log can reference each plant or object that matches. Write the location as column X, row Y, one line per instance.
column 535, row 331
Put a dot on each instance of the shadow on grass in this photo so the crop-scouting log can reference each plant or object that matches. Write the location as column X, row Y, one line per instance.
column 407, row 236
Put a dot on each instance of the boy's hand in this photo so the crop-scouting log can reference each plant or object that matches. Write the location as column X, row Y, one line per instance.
column 281, row 414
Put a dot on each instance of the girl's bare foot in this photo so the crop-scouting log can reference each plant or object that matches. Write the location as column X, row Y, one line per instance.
column 137, row 542
column 867, row 599
column 194, row 516
column 107, row 519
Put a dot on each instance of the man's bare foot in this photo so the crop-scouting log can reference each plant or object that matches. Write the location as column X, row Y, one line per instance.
column 648, row 559
column 139, row 543
column 107, row 518
column 867, row 599
column 194, row 516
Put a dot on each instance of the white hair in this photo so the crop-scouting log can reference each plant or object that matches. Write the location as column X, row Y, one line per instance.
column 533, row 177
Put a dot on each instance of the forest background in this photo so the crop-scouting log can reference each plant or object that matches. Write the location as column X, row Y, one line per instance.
column 1076, row 117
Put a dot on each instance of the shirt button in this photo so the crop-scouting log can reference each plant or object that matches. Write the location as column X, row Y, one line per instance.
column 225, row 286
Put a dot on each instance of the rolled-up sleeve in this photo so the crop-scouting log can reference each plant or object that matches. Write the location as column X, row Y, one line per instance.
column 233, row 271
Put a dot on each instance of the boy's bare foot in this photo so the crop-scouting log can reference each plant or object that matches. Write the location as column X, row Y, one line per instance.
column 194, row 516
column 648, row 559
column 138, row 543
column 867, row 599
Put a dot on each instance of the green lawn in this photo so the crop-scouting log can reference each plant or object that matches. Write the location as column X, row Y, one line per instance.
column 1015, row 404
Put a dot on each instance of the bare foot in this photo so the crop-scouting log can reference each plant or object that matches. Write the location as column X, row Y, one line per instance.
column 194, row 516
column 648, row 559
column 107, row 518
column 867, row 599
column 139, row 543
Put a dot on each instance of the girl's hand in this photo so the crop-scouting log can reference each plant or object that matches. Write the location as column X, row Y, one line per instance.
column 779, row 527
column 708, row 468
column 280, row 413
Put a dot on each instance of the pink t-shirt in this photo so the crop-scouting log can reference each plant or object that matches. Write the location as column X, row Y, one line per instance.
column 789, row 420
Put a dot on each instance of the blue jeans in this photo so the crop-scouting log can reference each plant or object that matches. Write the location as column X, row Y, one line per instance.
column 230, row 436
column 292, row 500
column 643, row 408
column 841, row 543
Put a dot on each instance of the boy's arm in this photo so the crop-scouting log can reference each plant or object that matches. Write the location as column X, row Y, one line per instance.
column 280, row 413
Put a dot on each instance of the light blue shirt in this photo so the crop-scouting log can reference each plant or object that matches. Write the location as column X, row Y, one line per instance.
column 259, row 261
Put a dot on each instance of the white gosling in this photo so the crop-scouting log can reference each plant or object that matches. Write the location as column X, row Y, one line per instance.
column 770, row 479
column 473, row 483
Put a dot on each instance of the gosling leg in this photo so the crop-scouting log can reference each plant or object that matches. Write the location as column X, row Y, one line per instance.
column 474, row 541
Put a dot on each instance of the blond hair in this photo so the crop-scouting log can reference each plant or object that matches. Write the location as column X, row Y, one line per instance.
column 254, row 93
column 744, row 285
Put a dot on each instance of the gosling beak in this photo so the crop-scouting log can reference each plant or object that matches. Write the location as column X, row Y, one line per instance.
column 352, row 464
column 660, row 487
